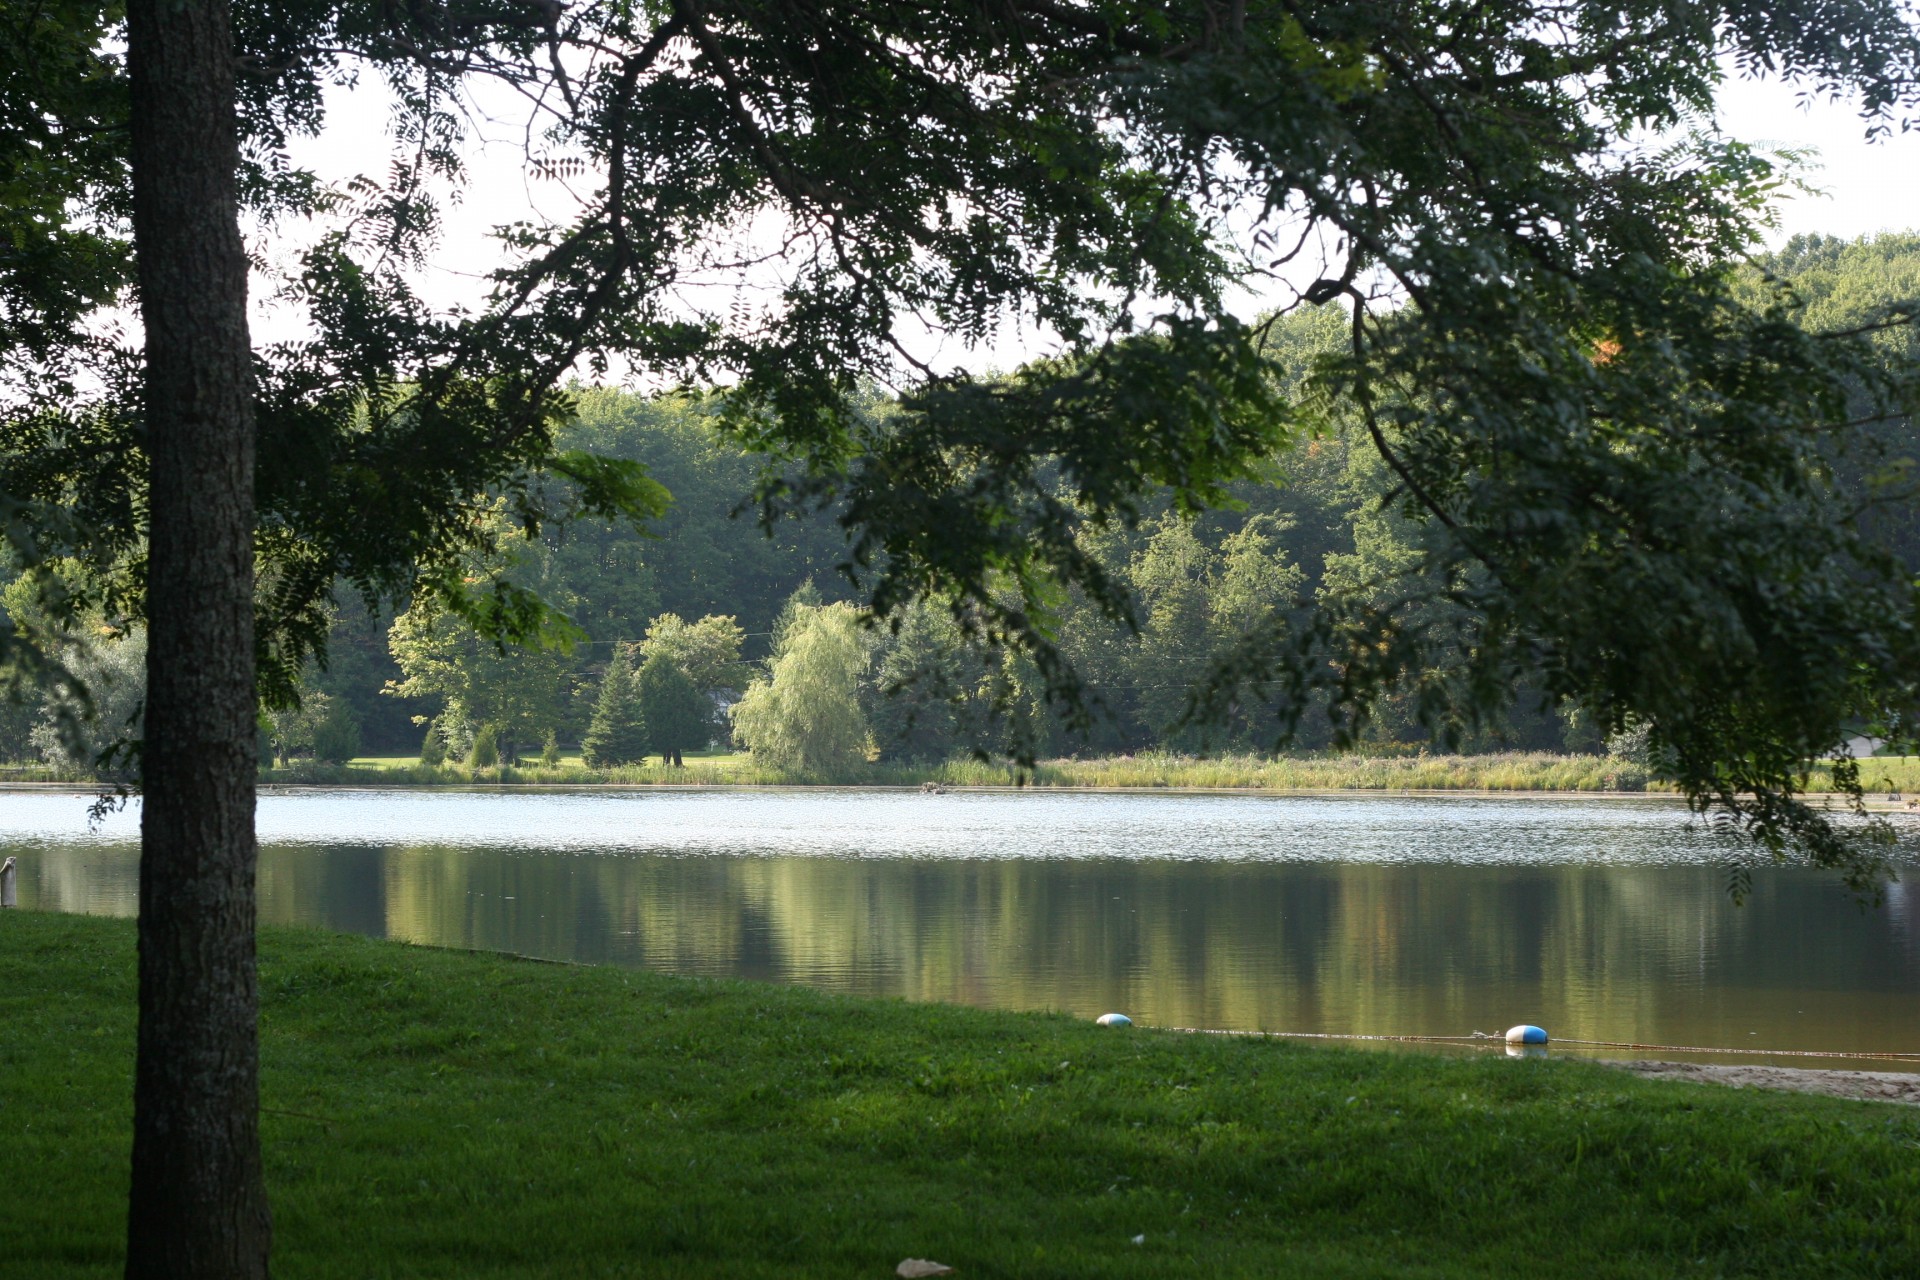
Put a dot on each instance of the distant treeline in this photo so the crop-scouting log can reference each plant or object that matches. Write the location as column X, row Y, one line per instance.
column 753, row 618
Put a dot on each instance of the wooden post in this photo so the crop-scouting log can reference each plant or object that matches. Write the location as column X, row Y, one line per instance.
column 7, row 898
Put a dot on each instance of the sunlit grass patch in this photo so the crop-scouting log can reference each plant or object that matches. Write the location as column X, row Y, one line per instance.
column 1898, row 775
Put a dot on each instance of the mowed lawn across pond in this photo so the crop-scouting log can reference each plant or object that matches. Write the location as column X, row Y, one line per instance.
column 1152, row 770
column 438, row 1113
column 1887, row 780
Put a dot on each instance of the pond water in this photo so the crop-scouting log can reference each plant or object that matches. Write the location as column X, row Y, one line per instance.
column 1601, row 919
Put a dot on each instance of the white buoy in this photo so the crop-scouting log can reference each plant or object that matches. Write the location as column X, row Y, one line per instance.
column 1113, row 1020
column 1526, row 1033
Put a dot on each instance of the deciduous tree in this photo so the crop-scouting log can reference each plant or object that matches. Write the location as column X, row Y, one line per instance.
column 707, row 652
column 198, row 1205
column 1627, row 460
column 675, row 716
column 806, row 716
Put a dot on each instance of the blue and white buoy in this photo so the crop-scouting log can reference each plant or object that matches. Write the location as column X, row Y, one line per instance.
column 1526, row 1033
column 1113, row 1020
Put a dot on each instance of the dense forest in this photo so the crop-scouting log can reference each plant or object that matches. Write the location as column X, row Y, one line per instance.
column 710, row 625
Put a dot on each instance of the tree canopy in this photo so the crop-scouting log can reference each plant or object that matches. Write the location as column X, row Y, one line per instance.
column 1525, row 224
column 1623, row 460
column 678, row 717
column 805, row 715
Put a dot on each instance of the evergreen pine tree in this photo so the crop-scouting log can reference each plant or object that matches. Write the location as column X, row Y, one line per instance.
column 433, row 747
column 616, row 734
column 677, row 716
column 486, row 748
column 920, row 705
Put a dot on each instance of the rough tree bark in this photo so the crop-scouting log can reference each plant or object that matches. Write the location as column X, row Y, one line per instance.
column 198, row 1205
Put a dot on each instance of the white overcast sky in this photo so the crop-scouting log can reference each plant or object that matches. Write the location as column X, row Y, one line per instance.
column 1869, row 188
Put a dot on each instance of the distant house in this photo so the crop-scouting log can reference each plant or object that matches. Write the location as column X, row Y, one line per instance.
column 723, row 700
column 1860, row 746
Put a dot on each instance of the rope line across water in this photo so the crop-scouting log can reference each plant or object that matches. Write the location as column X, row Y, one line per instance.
column 1483, row 1038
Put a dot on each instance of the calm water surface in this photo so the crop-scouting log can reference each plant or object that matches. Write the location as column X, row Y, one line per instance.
column 1598, row 919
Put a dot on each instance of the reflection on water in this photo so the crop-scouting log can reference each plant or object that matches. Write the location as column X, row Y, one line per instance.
column 1600, row 920
column 1521, row 831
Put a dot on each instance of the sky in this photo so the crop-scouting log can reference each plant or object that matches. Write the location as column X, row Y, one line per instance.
column 1871, row 187
column 1867, row 187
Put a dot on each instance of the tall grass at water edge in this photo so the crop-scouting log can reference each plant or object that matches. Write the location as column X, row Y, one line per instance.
column 1506, row 771
column 1512, row 771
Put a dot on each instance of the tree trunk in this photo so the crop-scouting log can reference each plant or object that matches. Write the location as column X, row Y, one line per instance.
column 198, row 1205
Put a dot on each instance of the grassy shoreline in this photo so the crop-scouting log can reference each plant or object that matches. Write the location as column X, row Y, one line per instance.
column 439, row 1113
column 1148, row 771
column 1145, row 772
column 1501, row 772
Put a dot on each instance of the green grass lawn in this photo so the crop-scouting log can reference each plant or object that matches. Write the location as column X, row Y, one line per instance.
column 432, row 1113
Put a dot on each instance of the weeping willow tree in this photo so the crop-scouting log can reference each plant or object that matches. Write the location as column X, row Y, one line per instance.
column 806, row 715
